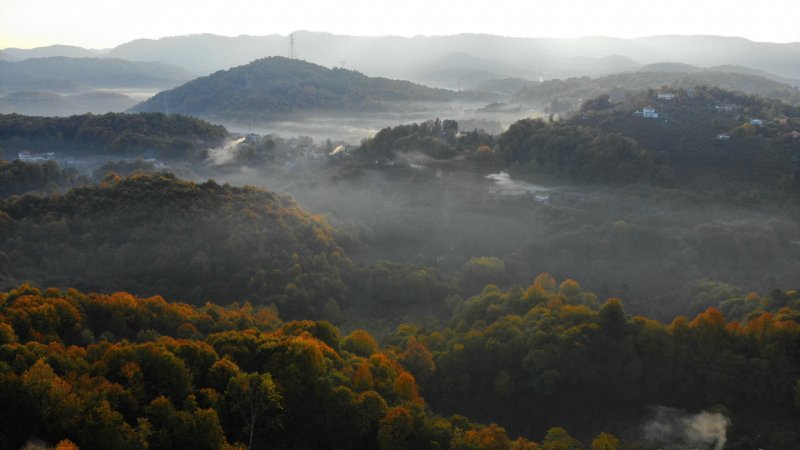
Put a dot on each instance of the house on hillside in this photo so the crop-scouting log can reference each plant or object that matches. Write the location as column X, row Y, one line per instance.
column 757, row 122
column 794, row 134
column 781, row 119
column 649, row 113
column 723, row 136
column 666, row 96
column 26, row 155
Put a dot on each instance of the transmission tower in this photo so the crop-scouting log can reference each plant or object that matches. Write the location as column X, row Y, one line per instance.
column 291, row 46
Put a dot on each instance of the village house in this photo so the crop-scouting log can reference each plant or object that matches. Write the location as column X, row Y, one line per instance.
column 649, row 113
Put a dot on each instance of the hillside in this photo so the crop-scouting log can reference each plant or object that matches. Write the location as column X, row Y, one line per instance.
column 759, row 157
column 166, row 136
column 65, row 75
column 155, row 234
column 564, row 95
column 276, row 86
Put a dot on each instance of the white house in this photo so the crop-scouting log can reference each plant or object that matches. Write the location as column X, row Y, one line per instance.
column 649, row 112
column 757, row 122
column 666, row 96
column 723, row 136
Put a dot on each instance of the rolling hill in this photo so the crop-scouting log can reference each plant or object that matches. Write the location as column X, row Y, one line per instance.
column 562, row 95
column 36, row 103
column 63, row 74
column 70, row 51
column 277, row 86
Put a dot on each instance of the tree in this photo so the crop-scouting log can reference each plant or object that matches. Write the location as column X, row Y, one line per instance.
column 612, row 318
column 558, row 439
column 406, row 387
column 361, row 343
column 605, row 441
column 418, row 359
column 255, row 398
column 395, row 429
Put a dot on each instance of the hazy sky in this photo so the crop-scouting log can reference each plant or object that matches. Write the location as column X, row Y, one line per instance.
column 107, row 23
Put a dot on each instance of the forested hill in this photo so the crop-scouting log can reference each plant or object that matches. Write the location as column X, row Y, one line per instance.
column 702, row 139
column 562, row 95
column 714, row 139
column 156, row 234
column 273, row 86
column 113, row 133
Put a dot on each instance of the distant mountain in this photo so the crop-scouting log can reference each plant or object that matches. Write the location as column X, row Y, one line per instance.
column 507, row 86
column 669, row 67
column 563, row 95
column 277, row 86
column 6, row 56
column 459, row 70
column 69, row 51
column 63, row 74
column 780, row 59
column 415, row 57
column 36, row 103
column 688, row 68
column 202, row 54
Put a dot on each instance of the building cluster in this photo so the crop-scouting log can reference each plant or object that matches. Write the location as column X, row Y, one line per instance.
column 27, row 156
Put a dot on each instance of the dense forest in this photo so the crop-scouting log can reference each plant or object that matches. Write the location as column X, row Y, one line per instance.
column 274, row 87
column 554, row 354
column 121, row 371
column 124, row 372
column 19, row 177
column 163, row 135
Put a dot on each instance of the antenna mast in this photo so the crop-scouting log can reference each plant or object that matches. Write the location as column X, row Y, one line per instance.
column 291, row 46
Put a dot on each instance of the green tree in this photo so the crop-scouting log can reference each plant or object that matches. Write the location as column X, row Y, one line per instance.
column 558, row 439
column 605, row 441
column 255, row 399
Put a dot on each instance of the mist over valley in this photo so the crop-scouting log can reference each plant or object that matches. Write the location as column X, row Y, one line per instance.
column 466, row 241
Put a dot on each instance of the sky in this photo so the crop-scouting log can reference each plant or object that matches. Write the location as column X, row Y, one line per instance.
column 108, row 23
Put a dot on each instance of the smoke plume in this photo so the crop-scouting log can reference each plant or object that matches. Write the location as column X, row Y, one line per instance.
column 225, row 154
column 678, row 429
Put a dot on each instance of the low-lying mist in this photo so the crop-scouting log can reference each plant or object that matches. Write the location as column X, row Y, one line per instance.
column 665, row 252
